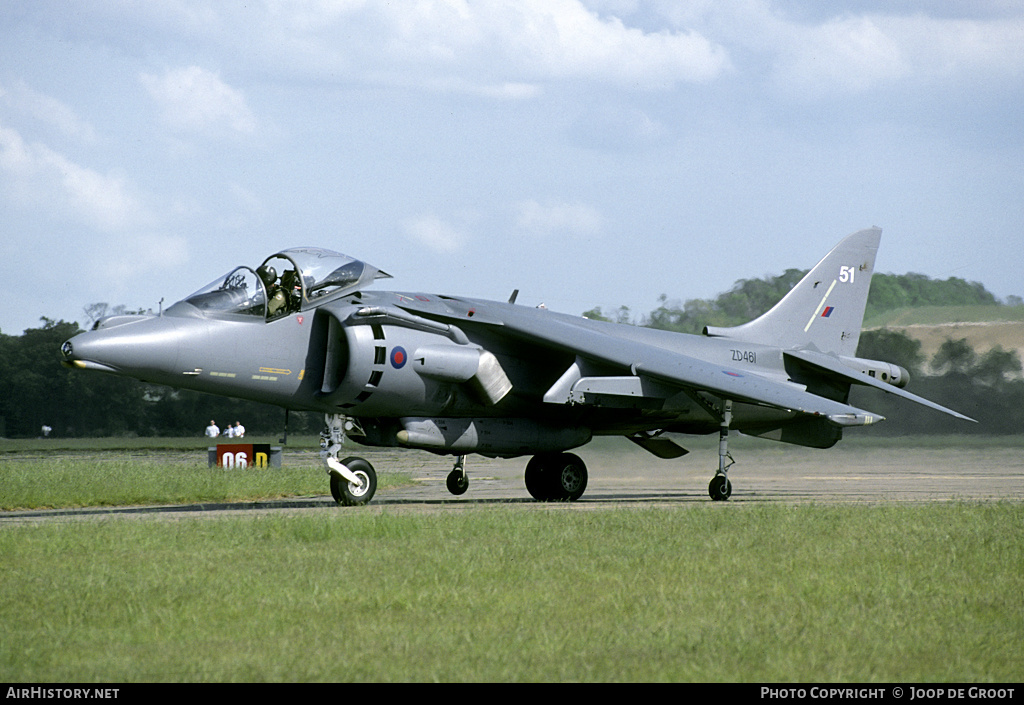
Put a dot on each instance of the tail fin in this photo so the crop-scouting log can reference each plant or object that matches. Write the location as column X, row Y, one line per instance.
column 825, row 310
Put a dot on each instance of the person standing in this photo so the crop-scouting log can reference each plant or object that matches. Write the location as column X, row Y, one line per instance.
column 212, row 431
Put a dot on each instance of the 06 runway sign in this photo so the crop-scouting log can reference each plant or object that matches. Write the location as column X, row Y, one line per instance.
column 243, row 455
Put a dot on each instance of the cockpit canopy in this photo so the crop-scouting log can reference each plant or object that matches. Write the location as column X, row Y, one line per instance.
column 290, row 281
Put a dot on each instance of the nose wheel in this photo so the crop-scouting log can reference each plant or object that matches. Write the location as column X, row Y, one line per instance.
column 353, row 481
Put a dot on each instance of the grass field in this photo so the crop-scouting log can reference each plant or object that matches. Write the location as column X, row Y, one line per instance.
column 905, row 593
column 898, row 594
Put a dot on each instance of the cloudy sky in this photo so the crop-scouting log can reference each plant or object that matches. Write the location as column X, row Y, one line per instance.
column 587, row 152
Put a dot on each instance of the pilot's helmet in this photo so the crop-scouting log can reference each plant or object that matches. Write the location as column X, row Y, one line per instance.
column 268, row 274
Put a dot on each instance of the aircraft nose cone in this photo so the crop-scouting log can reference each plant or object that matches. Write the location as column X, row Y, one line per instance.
column 144, row 347
column 92, row 351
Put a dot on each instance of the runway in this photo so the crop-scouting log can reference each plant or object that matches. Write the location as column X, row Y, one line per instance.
column 630, row 478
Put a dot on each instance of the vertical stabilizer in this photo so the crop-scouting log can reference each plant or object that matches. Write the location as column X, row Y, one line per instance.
column 825, row 310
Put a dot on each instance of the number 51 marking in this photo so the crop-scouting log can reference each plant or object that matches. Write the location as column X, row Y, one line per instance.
column 846, row 274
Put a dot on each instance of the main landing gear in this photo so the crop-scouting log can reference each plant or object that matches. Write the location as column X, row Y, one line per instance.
column 549, row 477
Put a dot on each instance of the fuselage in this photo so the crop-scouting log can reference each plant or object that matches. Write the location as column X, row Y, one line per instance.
column 356, row 356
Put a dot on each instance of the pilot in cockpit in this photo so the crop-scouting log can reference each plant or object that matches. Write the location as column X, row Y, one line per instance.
column 292, row 287
column 275, row 295
column 284, row 295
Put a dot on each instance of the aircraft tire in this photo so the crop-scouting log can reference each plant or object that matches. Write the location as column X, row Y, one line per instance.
column 569, row 477
column 537, row 479
column 553, row 477
column 720, row 489
column 457, row 482
column 349, row 495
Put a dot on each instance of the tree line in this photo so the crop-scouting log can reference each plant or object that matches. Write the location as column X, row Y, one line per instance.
column 749, row 298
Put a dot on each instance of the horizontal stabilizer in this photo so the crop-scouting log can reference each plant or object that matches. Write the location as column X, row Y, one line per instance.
column 834, row 367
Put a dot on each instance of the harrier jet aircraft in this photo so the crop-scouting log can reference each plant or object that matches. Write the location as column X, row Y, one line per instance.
column 456, row 376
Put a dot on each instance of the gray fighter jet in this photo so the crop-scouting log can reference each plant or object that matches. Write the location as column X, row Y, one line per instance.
column 456, row 376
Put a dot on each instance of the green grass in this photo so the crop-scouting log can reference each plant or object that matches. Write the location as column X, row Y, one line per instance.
column 91, row 483
column 141, row 475
column 930, row 593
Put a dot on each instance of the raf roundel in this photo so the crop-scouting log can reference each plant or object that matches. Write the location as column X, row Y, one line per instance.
column 398, row 357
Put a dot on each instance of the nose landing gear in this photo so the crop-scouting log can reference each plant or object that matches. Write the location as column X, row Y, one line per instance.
column 353, row 480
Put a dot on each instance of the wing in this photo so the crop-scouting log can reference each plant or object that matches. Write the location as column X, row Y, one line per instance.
column 649, row 366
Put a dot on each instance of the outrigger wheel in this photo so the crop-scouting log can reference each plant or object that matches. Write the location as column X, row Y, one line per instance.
column 720, row 488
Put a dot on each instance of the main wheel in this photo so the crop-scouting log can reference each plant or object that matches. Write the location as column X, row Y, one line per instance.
column 720, row 488
column 569, row 477
column 556, row 476
column 349, row 494
column 537, row 483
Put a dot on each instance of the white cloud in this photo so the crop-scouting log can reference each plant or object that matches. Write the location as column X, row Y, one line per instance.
column 561, row 219
column 955, row 48
column 813, row 50
column 500, row 47
column 850, row 54
column 47, row 110
column 858, row 52
column 434, row 233
column 39, row 177
column 195, row 100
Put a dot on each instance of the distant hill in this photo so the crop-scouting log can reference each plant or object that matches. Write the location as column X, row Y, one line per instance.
column 984, row 327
